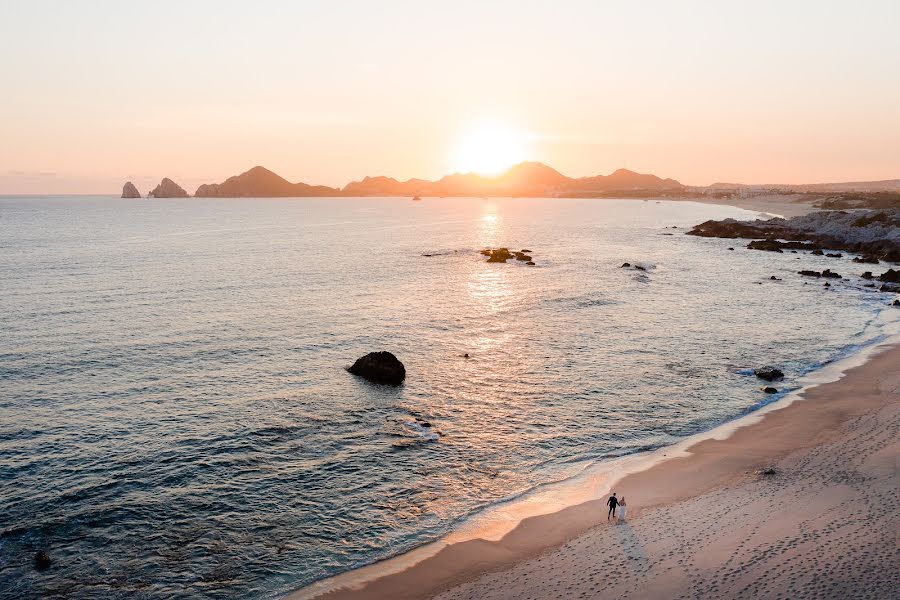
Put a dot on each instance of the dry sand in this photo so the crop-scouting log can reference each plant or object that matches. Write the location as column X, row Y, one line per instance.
column 706, row 525
column 786, row 205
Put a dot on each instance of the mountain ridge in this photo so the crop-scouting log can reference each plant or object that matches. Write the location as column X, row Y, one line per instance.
column 522, row 179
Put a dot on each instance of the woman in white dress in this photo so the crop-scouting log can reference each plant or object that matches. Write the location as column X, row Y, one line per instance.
column 622, row 508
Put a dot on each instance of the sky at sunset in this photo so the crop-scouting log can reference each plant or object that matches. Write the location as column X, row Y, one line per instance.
column 98, row 92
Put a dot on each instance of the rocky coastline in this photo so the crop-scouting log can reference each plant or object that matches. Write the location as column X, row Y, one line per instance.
column 874, row 235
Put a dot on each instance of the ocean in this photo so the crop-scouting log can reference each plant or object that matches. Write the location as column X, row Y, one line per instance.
column 176, row 420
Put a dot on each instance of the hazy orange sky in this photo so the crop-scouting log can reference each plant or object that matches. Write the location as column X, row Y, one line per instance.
column 94, row 93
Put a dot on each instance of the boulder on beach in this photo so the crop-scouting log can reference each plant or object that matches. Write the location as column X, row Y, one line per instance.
column 380, row 367
column 130, row 191
column 768, row 373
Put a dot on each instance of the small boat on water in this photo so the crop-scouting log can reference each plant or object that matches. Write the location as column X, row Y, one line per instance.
column 416, row 199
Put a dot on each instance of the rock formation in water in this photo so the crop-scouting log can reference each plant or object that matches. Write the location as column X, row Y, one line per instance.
column 260, row 182
column 874, row 234
column 380, row 367
column 768, row 373
column 129, row 191
column 890, row 276
column 168, row 189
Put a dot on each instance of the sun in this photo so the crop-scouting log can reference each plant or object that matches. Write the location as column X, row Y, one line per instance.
column 490, row 149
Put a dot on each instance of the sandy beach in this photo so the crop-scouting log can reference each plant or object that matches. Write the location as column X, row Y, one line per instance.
column 708, row 524
column 786, row 205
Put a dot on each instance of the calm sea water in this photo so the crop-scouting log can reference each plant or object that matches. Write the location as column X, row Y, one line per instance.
column 176, row 420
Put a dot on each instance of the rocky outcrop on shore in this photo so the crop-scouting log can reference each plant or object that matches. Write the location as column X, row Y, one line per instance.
column 874, row 234
column 168, row 189
column 130, row 191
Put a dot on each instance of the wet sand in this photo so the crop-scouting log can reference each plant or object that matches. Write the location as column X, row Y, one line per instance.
column 706, row 524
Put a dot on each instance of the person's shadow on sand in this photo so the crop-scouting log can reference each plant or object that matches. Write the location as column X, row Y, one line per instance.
column 629, row 542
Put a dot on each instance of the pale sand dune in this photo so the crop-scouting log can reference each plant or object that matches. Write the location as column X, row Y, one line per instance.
column 706, row 525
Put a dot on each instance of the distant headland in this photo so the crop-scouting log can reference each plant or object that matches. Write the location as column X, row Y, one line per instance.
column 526, row 179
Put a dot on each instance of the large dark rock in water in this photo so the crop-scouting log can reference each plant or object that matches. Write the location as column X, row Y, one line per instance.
column 380, row 367
column 129, row 191
column 41, row 560
column 890, row 276
column 768, row 373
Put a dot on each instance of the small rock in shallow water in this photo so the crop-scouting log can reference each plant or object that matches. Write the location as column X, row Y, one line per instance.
column 625, row 265
column 866, row 259
column 770, row 390
column 818, row 252
column 41, row 560
column 806, row 273
column 768, row 373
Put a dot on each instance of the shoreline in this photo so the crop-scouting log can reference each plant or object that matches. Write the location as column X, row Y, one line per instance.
column 468, row 553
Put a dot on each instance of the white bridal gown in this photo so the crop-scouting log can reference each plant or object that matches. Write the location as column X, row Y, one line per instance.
column 621, row 511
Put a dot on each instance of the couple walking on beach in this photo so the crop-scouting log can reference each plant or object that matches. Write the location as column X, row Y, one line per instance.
column 614, row 503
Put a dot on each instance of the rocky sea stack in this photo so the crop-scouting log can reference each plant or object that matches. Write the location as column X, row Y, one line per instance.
column 168, row 189
column 129, row 191
column 380, row 367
